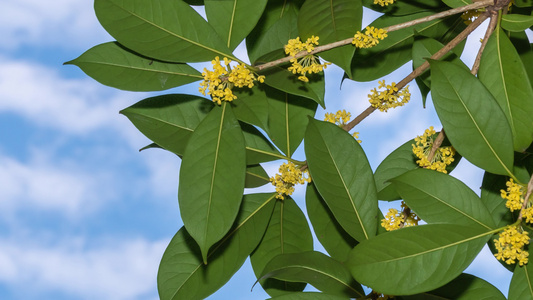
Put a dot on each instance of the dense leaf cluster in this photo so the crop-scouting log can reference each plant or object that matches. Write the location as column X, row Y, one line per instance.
column 486, row 113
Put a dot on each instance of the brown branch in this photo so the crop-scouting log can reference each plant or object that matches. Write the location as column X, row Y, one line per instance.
column 475, row 5
column 436, row 144
column 416, row 72
column 490, row 29
column 526, row 198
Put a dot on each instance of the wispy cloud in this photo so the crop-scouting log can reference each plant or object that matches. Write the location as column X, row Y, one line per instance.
column 123, row 269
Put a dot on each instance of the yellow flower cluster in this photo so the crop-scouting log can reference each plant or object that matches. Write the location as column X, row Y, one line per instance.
column 370, row 38
column 384, row 2
column 388, row 98
column 308, row 63
column 340, row 118
column 470, row 15
column 443, row 155
column 288, row 176
column 510, row 246
column 394, row 219
column 513, row 195
column 220, row 82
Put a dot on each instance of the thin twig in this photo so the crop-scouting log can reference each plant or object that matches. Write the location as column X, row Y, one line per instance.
column 488, row 33
column 436, row 144
column 416, row 72
column 526, row 198
column 476, row 5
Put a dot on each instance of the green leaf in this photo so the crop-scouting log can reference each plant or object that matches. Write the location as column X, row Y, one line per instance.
column 332, row 21
column 182, row 270
column 256, row 176
column 418, row 258
column 118, row 67
column 525, row 50
column 288, row 116
column 275, row 28
column 287, row 232
column 308, row 296
column 521, row 287
column 440, row 198
column 516, row 22
column 258, row 147
column 401, row 8
column 504, row 75
column 396, row 163
column 166, row 30
column 315, row 268
column 395, row 50
column 233, row 19
column 280, row 78
column 212, row 177
column 457, row 3
column 523, row 3
column 464, row 287
column 474, row 122
column 337, row 242
column 342, row 175
column 251, row 106
column 169, row 120
column 492, row 199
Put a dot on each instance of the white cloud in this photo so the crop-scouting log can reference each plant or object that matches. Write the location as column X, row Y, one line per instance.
column 41, row 95
column 69, row 23
column 116, row 270
column 43, row 186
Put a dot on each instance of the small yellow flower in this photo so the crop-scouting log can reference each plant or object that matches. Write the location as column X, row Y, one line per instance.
column 510, row 246
column 220, row 82
column 306, row 64
column 370, row 38
column 514, row 195
column 394, row 219
column 341, row 118
column 384, row 2
column 289, row 175
column 388, row 98
column 442, row 158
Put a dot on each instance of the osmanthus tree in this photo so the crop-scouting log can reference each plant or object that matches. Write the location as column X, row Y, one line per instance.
column 262, row 112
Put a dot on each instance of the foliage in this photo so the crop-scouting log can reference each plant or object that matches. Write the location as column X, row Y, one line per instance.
column 263, row 111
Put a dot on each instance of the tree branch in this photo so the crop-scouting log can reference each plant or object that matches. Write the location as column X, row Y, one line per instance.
column 488, row 33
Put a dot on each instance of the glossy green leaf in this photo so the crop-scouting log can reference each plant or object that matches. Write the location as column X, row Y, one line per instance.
column 525, row 51
column 280, row 78
column 258, row 148
column 251, row 106
column 315, row 268
column 401, row 8
column 430, row 249
column 440, row 198
column 504, row 75
column 474, row 122
column 337, row 242
column 255, row 176
column 276, row 27
column 395, row 50
column 521, row 287
column 166, row 30
column 492, row 199
column 288, row 116
column 342, row 175
column 234, row 19
column 396, row 163
column 332, row 21
column 182, row 273
column 169, row 120
column 212, row 177
column 457, row 3
column 516, row 22
column 287, row 232
column 308, row 296
column 117, row 67
column 464, row 287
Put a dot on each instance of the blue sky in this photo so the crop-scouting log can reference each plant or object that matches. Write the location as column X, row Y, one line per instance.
column 83, row 214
